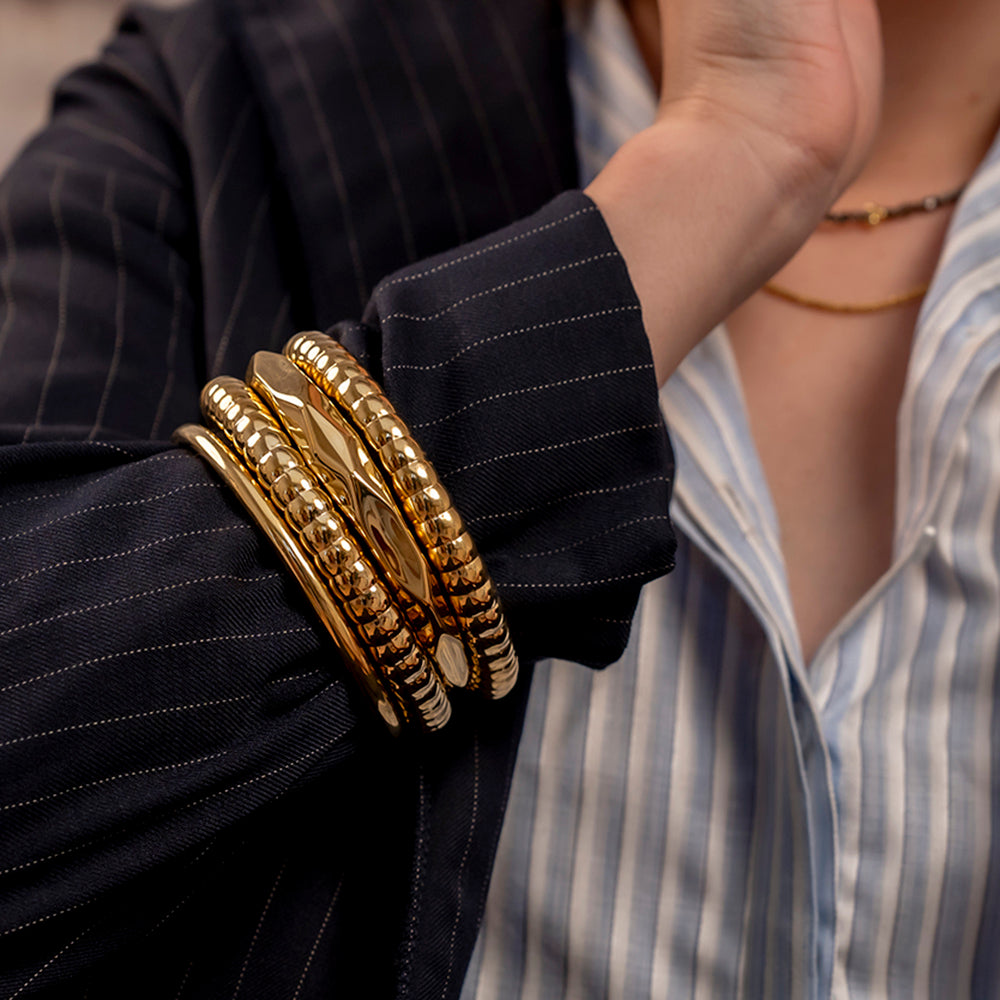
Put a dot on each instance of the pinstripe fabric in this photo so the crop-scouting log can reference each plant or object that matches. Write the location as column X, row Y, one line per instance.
column 187, row 805
column 711, row 817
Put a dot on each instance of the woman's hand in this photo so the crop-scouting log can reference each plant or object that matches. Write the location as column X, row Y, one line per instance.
column 800, row 78
column 768, row 109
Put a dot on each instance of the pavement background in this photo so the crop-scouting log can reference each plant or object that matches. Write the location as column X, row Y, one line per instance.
column 39, row 41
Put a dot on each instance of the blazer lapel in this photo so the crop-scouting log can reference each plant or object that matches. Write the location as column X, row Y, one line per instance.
column 406, row 127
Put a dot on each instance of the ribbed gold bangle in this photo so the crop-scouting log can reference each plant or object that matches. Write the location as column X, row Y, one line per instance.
column 378, row 624
column 330, row 445
column 450, row 550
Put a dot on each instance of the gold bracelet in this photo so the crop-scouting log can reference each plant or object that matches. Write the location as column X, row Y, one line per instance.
column 255, row 501
column 332, row 449
column 332, row 475
column 447, row 546
column 378, row 623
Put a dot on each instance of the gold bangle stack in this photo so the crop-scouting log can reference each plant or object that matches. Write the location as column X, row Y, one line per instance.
column 332, row 475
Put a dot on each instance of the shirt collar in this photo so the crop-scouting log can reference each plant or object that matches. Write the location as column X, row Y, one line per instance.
column 722, row 499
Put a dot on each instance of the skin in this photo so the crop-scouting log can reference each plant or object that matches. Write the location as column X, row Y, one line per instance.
column 771, row 111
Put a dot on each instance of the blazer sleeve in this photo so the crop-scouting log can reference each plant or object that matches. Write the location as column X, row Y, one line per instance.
column 161, row 678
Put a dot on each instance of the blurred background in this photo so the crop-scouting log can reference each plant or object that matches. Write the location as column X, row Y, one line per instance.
column 39, row 41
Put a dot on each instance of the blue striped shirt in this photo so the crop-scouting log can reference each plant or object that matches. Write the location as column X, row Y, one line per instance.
column 713, row 817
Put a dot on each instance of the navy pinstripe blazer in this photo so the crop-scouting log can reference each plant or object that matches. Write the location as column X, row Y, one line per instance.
column 192, row 805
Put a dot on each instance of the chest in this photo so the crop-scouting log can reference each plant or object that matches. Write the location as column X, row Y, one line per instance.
column 822, row 393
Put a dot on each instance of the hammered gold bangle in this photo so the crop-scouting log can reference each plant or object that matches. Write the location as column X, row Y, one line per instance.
column 331, row 474
column 447, row 545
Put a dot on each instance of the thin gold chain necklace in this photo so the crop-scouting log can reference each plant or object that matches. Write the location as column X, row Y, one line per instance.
column 872, row 214
column 828, row 305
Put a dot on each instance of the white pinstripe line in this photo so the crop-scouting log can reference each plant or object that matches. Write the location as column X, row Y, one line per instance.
column 108, row 446
column 141, row 86
column 39, row 496
column 424, row 272
column 334, row 16
column 179, row 644
column 126, row 145
column 330, row 151
column 76, row 727
column 892, row 725
column 533, row 388
column 947, row 386
column 592, row 538
column 427, row 116
column 261, row 777
column 170, row 360
column 562, row 321
column 172, row 38
column 111, row 778
column 542, row 449
column 38, row 861
column 849, row 802
column 249, row 260
column 212, row 201
column 135, row 597
column 110, row 506
column 459, row 875
column 56, row 956
column 187, row 899
column 980, row 778
column 652, row 644
column 65, row 260
column 319, row 935
column 558, row 788
column 174, row 812
column 569, row 496
column 502, row 287
column 119, row 555
column 116, row 236
column 172, row 456
column 162, row 206
column 939, row 774
column 509, row 50
column 292, row 678
column 177, row 907
column 681, row 805
column 11, row 254
column 256, row 933
column 711, row 956
column 465, row 78
column 406, row 961
column 184, row 979
column 197, row 86
column 586, row 583
column 48, row 916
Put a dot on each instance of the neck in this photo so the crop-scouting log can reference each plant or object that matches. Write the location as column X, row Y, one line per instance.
column 941, row 101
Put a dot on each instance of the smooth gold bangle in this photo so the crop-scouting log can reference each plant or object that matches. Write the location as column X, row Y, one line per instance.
column 450, row 550
column 378, row 624
column 238, row 478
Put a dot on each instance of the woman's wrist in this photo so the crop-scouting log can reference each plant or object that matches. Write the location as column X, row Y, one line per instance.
column 703, row 214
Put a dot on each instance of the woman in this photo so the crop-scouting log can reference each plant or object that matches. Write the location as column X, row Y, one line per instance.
column 196, row 857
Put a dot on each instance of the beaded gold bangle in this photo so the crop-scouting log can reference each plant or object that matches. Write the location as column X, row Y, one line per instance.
column 374, row 617
column 447, row 546
column 332, row 475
